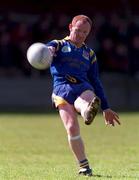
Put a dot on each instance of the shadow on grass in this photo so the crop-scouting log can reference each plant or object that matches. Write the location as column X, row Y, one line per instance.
column 102, row 176
column 109, row 177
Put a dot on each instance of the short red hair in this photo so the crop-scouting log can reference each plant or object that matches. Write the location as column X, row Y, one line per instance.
column 81, row 17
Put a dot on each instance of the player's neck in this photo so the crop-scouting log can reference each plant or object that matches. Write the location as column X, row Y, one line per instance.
column 78, row 45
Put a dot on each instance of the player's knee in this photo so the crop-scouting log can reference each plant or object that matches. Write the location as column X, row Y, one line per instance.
column 72, row 130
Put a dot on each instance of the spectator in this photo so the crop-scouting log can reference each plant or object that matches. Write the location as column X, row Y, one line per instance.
column 115, row 41
column 8, row 65
column 134, row 57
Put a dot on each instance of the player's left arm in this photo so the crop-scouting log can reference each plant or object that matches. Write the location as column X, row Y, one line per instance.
column 111, row 117
column 93, row 74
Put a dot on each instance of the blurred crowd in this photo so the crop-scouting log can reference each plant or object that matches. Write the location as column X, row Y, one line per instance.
column 115, row 39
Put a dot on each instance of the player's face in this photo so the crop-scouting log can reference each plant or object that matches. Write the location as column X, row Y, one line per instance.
column 79, row 32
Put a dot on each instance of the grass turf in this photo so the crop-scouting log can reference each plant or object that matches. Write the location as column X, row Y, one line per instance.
column 34, row 147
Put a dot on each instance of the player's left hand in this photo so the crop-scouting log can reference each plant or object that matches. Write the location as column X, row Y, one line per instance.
column 111, row 117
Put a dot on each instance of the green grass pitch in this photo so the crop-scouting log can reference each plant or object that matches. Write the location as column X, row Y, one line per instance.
column 34, row 147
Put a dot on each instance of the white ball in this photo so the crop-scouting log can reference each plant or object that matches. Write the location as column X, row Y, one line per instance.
column 39, row 56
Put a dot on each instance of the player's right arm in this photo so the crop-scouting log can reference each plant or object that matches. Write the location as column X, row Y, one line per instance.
column 53, row 46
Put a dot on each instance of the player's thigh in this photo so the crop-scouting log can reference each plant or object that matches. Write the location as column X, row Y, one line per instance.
column 85, row 97
column 69, row 117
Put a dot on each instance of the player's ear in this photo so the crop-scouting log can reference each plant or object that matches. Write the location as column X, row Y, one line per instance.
column 70, row 26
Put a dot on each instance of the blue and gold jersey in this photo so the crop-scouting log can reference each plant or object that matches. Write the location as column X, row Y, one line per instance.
column 70, row 61
column 75, row 65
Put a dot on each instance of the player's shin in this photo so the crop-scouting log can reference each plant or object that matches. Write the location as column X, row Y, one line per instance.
column 77, row 147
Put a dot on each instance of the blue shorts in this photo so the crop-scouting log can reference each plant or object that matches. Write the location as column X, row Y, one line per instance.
column 69, row 92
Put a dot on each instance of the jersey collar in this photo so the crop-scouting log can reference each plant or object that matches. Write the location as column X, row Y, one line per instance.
column 68, row 39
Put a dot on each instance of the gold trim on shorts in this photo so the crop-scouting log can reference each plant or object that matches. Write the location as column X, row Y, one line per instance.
column 58, row 100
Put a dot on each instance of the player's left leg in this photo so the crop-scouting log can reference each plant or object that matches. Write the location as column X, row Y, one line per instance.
column 88, row 105
column 69, row 118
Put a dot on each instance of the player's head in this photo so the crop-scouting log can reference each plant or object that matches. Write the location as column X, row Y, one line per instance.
column 79, row 29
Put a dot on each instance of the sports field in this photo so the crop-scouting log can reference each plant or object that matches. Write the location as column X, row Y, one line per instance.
column 34, row 147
